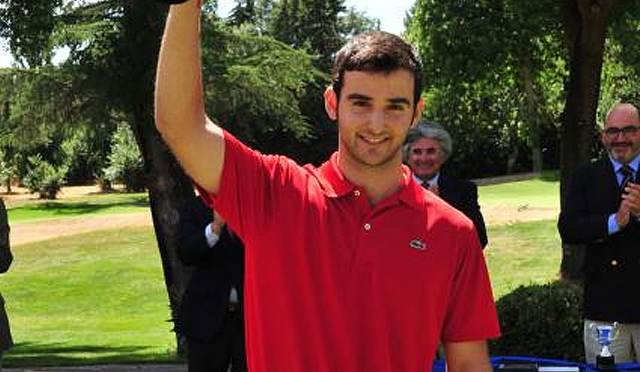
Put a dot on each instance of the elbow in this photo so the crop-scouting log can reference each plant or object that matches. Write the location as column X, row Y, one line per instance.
column 567, row 233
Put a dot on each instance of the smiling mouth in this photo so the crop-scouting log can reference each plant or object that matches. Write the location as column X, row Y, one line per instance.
column 623, row 145
column 373, row 141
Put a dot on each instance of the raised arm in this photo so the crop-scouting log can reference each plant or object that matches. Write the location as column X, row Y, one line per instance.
column 179, row 104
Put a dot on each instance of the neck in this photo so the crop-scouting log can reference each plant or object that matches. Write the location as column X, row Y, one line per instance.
column 378, row 182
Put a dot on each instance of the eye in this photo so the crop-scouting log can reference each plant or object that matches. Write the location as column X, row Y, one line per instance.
column 360, row 103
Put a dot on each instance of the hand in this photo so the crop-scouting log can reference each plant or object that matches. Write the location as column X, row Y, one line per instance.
column 623, row 214
column 217, row 224
column 434, row 189
column 631, row 198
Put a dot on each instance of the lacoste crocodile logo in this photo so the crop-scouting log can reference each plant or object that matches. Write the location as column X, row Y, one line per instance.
column 418, row 245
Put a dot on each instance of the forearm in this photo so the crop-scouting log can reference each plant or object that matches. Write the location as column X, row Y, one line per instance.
column 582, row 229
column 179, row 97
column 483, row 365
column 468, row 357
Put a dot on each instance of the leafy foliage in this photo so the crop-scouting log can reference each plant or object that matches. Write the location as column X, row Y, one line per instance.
column 541, row 320
column 28, row 24
column 44, row 178
column 353, row 21
column 258, row 74
column 125, row 161
column 489, row 67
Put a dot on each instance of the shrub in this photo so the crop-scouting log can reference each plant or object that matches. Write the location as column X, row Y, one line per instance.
column 6, row 170
column 543, row 321
column 44, row 178
column 125, row 161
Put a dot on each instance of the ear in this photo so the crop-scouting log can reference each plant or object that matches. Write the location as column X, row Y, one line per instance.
column 417, row 115
column 331, row 103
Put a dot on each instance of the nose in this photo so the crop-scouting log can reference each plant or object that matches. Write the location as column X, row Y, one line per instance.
column 377, row 120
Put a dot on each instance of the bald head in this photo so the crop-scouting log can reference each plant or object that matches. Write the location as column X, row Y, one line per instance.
column 624, row 111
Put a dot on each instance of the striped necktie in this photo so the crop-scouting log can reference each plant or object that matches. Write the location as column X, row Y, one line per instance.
column 627, row 176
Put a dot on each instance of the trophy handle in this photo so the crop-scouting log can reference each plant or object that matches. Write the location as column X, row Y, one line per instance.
column 615, row 330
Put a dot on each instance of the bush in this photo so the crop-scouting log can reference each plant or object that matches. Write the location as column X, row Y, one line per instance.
column 7, row 170
column 43, row 178
column 125, row 161
column 544, row 321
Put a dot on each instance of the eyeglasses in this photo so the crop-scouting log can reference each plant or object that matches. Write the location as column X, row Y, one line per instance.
column 627, row 130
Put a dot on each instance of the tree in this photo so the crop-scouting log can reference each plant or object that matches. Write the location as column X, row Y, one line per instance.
column 28, row 25
column 490, row 63
column 353, row 21
column 243, row 12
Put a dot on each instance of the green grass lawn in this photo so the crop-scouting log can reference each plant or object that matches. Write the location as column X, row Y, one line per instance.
column 538, row 193
column 521, row 254
column 90, row 298
column 79, row 206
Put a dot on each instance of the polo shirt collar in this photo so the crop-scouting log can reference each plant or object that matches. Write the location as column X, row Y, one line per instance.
column 333, row 181
column 336, row 185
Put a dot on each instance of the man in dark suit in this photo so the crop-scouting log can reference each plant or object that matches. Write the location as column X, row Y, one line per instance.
column 426, row 149
column 5, row 261
column 210, row 314
column 602, row 211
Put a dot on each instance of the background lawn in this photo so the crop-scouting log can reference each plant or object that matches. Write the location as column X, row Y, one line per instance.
column 90, row 298
column 521, row 254
column 539, row 193
column 34, row 210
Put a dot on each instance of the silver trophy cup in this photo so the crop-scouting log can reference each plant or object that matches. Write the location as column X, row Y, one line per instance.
column 605, row 333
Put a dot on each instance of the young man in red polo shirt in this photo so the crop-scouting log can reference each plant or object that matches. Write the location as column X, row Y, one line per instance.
column 362, row 271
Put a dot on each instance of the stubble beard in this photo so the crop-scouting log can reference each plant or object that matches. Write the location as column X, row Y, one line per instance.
column 625, row 155
column 392, row 158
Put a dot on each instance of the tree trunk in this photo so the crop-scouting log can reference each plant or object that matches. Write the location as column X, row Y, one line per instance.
column 532, row 115
column 168, row 186
column 584, row 24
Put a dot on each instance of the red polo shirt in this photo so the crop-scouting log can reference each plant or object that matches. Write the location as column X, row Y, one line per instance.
column 333, row 284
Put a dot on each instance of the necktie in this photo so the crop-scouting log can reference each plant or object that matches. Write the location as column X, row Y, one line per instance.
column 627, row 175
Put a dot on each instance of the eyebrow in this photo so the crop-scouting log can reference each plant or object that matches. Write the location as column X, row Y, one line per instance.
column 399, row 101
column 362, row 97
column 358, row 96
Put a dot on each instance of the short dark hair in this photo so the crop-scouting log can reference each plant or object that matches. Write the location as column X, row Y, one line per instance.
column 378, row 51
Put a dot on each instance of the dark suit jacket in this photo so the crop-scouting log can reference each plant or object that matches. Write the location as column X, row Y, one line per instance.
column 216, row 269
column 612, row 262
column 5, row 261
column 463, row 195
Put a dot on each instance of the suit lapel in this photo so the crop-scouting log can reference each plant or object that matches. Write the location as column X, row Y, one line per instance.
column 610, row 192
column 445, row 188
